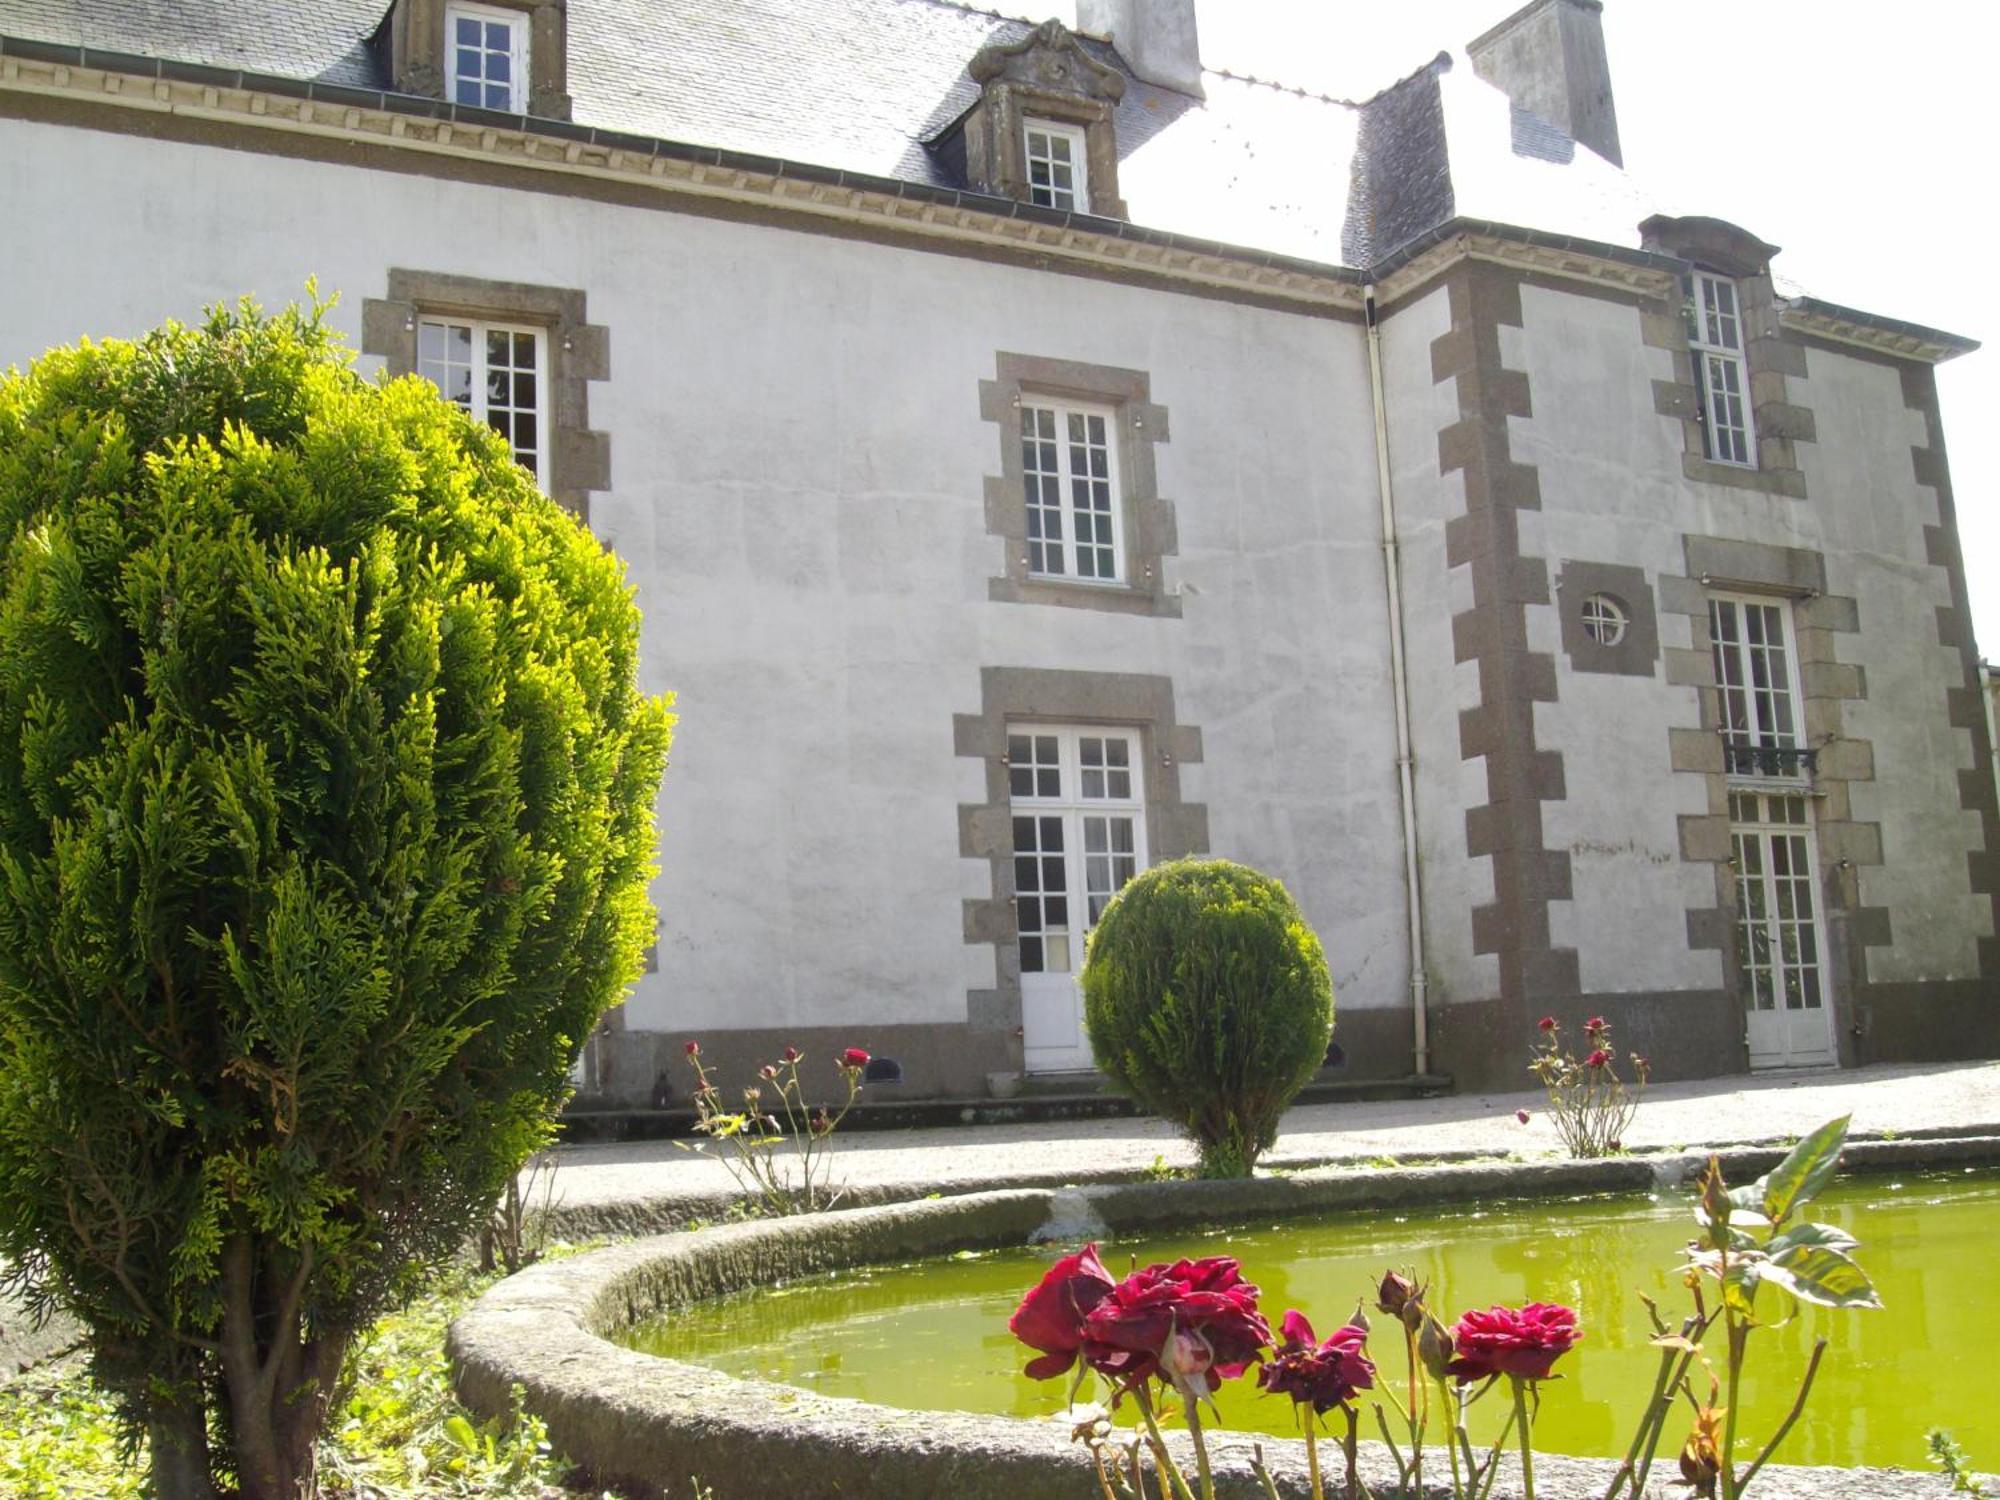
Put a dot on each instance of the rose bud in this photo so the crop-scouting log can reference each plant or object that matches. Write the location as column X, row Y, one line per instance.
column 1597, row 1059
column 1521, row 1115
column 854, row 1057
column 767, row 1072
column 1547, row 1023
column 1394, row 1294
column 1595, row 1025
column 1434, row 1347
column 792, row 1054
column 692, row 1049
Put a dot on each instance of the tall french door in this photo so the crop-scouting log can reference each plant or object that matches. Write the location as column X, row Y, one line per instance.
column 1778, row 939
column 1078, row 799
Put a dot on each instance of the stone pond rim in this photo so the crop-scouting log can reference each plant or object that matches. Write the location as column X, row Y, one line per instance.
column 649, row 1424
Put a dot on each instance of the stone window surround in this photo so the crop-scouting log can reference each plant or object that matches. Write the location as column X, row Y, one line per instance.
column 417, row 47
column 1021, row 695
column 1046, row 75
column 1146, row 521
column 1848, row 929
column 1770, row 355
column 1638, row 650
column 579, row 460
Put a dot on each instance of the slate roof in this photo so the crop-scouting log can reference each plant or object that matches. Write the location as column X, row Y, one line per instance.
column 862, row 85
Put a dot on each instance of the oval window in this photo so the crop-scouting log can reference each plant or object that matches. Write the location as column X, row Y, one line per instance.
column 1604, row 619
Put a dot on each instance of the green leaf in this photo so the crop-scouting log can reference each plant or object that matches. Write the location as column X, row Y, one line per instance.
column 1824, row 1277
column 461, row 1434
column 1804, row 1171
column 1740, row 1283
column 1803, row 1236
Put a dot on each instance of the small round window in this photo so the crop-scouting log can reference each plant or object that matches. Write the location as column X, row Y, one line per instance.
column 1604, row 619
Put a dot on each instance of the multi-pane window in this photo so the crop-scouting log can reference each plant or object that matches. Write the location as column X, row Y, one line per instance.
column 495, row 371
column 1079, row 835
column 486, row 57
column 1070, row 481
column 1777, row 932
column 1716, row 334
column 1055, row 166
column 1758, row 697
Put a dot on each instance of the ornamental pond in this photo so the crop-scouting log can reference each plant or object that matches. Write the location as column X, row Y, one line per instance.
column 932, row 1335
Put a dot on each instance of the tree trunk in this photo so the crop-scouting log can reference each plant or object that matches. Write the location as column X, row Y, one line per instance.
column 178, row 1439
column 280, row 1379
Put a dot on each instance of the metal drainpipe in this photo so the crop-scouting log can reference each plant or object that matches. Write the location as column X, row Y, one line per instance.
column 1399, row 677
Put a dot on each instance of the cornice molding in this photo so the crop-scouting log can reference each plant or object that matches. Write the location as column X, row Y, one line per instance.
column 1057, row 239
column 1843, row 325
column 1526, row 252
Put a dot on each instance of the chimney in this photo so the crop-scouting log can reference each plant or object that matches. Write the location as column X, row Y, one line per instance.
column 1156, row 37
column 1548, row 57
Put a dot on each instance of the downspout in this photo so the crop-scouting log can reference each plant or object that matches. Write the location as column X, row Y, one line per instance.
column 1399, row 678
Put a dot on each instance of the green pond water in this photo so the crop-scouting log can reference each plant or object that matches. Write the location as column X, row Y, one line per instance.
column 933, row 1335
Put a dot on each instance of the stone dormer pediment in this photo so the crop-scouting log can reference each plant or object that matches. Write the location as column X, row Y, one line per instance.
column 1048, row 60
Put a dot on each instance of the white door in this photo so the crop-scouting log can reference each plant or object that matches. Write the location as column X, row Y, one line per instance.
column 1778, row 939
column 1079, row 835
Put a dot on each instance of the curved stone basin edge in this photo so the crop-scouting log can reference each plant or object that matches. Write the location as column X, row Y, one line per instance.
column 650, row 1425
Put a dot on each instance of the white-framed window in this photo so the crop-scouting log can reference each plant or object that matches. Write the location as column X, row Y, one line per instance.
column 1056, row 173
column 499, row 373
column 1720, row 374
column 486, row 57
column 1777, row 927
column 1069, row 479
column 1079, row 807
column 1604, row 619
column 1757, row 683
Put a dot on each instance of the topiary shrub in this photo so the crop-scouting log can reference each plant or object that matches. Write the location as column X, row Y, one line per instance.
column 1206, row 998
column 326, row 819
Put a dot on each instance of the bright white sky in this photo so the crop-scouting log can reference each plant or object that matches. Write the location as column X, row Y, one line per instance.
column 1860, row 137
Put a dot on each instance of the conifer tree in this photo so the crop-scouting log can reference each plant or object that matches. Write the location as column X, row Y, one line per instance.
column 326, row 821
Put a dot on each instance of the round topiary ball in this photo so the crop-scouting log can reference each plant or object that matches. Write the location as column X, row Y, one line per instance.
column 1206, row 998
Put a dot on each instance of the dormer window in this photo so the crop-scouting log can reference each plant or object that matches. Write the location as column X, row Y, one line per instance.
column 1716, row 334
column 486, row 57
column 506, row 55
column 1043, row 131
column 1057, row 176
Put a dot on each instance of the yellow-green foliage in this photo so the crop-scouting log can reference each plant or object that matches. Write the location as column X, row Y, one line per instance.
column 398, row 1434
column 326, row 819
column 1206, row 997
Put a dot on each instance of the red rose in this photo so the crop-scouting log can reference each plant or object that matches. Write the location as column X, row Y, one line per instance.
column 792, row 1054
column 1521, row 1342
column 1595, row 1024
column 1547, row 1023
column 692, row 1049
column 1597, row 1059
column 1324, row 1375
column 854, row 1057
column 1050, row 1318
column 1206, row 1300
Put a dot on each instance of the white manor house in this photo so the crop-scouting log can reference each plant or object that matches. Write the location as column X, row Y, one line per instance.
column 1039, row 456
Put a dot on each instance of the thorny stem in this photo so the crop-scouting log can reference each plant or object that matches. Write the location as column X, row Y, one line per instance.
column 1193, row 1403
column 1739, row 1337
column 1382, row 1425
column 1312, row 1460
column 1103, row 1479
column 1416, row 1423
column 1356, row 1490
column 1456, row 1439
column 1527, row 1448
column 1161, row 1457
column 1798, row 1405
column 1263, row 1474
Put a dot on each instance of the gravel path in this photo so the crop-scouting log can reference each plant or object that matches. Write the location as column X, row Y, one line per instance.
column 1901, row 1099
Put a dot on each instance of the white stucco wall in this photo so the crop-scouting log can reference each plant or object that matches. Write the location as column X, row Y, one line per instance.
column 1453, row 882
column 1611, row 490
column 797, row 465
column 1861, row 481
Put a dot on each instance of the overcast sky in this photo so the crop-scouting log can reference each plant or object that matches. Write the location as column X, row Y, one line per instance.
column 1860, row 137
